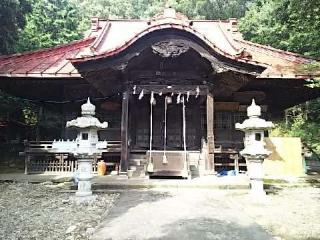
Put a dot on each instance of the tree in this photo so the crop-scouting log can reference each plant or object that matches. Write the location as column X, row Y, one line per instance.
column 291, row 25
column 198, row 9
column 51, row 22
column 213, row 9
column 12, row 18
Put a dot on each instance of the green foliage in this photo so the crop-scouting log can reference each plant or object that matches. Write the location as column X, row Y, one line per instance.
column 51, row 22
column 291, row 25
column 139, row 9
column 313, row 67
column 30, row 116
column 54, row 22
column 44, row 122
column 17, row 110
column 115, row 9
column 213, row 9
column 12, row 18
column 302, row 121
column 259, row 25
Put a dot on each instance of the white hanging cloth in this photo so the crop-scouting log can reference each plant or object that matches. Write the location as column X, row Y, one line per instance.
column 164, row 158
column 179, row 98
column 197, row 91
column 184, row 130
column 141, row 94
column 188, row 95
column 150, row 163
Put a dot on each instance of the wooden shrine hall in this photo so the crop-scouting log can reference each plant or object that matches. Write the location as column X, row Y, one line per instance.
column 170, row 88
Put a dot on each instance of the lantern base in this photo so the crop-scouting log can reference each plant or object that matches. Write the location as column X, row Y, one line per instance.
column 83, row 199
column 84, row 176
column 256, row 188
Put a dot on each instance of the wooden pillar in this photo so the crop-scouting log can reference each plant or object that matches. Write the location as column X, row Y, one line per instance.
column 124, row 162
column 40, row 117
column 210, row 132
column 63, row 123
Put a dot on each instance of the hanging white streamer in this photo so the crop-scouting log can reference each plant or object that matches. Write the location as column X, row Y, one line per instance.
column 184, row 131
column 150, row 164
column 141, row 94
column 197, row 91
column 164, row 158
column 152, row 99
column 179, row 98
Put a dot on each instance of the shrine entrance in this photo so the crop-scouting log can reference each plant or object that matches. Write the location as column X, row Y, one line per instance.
column 165, row 125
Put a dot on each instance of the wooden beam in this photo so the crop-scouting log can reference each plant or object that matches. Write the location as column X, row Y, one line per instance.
column 210, row 132
column 227, row 83
column 153, row 74
column 183, row 89
column 226, row 106
column 124, row 162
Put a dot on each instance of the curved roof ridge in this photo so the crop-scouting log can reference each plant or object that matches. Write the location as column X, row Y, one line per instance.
column 161, row 26
column 95, row 45
column 272, row 49
column 230, row 41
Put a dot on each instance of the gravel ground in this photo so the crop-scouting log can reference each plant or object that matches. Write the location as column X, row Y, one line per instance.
column 286, row 214
column 290, row 214
column 178, row 214
column 41, row 211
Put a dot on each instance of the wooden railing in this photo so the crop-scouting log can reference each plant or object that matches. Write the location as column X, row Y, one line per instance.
column 113, row 146
column 40, row 157
column 228, row 157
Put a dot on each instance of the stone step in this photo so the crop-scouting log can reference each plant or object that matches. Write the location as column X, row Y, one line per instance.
column 139, row 171
column 137, row 162
column 137, row 167
column 137, row 156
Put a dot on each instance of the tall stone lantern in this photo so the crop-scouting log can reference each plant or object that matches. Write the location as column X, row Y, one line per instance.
column 86, row 145
column 254, row 147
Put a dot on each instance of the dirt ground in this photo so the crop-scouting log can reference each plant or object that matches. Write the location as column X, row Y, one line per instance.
column 42, row 211
column 290, row 213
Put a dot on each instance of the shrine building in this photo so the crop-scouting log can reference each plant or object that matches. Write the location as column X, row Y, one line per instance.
column 170, row 88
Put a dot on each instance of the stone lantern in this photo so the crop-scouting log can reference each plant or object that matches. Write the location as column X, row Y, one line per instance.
column 254, row 147
column 87, row 145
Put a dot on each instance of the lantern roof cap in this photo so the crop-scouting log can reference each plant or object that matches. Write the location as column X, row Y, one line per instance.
column 254, row 122
column 254, row 110
column 88, row 108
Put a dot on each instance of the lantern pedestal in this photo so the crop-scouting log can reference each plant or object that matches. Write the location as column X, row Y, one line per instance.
column 84, row 176
column 255, row 172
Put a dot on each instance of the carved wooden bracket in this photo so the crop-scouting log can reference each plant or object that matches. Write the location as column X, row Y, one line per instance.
column 170, row 48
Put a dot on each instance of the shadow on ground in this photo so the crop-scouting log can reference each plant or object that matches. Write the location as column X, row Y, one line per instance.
column 208, row 228
column 313, row 180
column 134, row 198
column 187, row 215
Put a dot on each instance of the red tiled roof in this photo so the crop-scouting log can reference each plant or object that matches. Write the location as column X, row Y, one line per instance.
column 50, row 62
column 110, row 37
